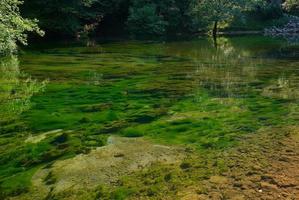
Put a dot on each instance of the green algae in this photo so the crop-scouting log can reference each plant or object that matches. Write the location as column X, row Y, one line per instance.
column 183, row 93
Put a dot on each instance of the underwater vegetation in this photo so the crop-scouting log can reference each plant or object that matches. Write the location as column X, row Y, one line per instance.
column 181, row 93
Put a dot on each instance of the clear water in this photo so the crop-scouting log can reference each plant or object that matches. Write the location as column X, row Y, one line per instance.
column 183, row 93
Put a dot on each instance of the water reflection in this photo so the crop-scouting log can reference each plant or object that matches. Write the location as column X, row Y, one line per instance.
column 141, row 77
column 16, row 89
column 236, row 70
column 293, row 39
column 284, row 88
column 227, row 71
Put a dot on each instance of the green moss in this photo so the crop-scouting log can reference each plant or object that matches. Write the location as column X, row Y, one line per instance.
column 120, row 194
column 17, row 184
column 184, row 93
column 132, row 132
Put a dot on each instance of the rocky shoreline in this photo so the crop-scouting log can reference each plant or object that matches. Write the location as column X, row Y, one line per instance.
column 290, row 31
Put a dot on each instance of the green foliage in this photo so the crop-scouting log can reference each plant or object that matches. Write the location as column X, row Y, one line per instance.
column 13, row 27
column 219, row 11
column 142, row 18
column 156, row 18
column 16, row 90
column 292, row 7
column 145, row 20
column 268, row 11
column 258, row 16
column 69, row 18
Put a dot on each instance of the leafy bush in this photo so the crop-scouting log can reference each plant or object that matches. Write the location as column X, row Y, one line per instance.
column 161, row 17
column 145, row 20
column 263, row 10
column 69, row 18
column 16, row 89
column 292, row 7
column 270, row 12
column 13, row 26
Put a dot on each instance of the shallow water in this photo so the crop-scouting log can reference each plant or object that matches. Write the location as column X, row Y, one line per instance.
column 186, row 93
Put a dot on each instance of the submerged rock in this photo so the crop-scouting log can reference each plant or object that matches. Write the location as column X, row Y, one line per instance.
column 42, row 136
column 104, row 165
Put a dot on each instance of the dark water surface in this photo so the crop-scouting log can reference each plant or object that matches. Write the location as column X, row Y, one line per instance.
column 185, row 93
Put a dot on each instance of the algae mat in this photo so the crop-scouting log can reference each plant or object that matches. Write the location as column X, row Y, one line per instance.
column 60, row 104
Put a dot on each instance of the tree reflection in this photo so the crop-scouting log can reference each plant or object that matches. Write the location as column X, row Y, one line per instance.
column 284, row 87
column 16, row 89
column 226, row 72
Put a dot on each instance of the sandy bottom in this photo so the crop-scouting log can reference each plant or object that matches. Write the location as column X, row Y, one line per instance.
column 264, row 167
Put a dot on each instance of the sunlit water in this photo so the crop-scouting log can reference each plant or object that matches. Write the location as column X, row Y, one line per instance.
column 184, row 93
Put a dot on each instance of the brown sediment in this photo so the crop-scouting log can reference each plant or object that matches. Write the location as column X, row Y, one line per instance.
column 264, row 167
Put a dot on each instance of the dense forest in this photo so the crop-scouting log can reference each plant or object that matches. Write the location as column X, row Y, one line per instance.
column 151, row 17
column 137, row 18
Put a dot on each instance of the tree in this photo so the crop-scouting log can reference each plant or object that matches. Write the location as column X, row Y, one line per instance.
column 160, row 17
column 217, row 11
column 179, row 16
column 69, row 17
column 277, row 3
column 292, row 7
column 13, row 27
column 145, row 20
column 16, row 88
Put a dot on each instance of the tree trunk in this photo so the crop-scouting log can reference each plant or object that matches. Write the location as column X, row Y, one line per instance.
column 215, row 29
